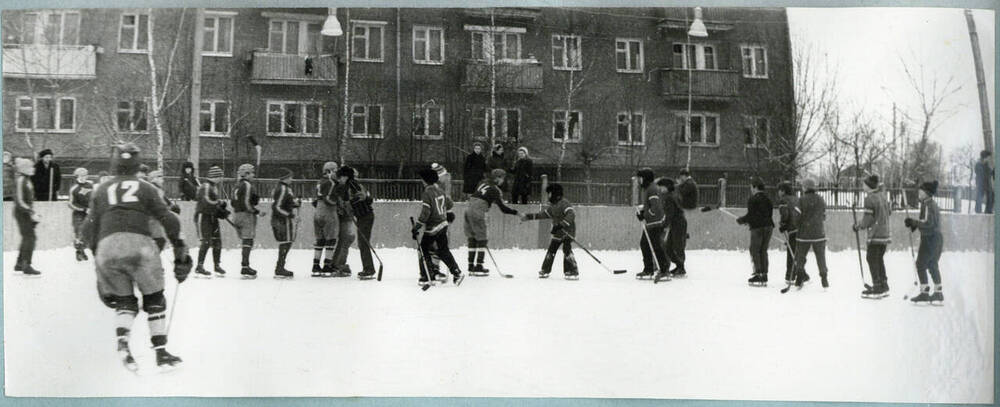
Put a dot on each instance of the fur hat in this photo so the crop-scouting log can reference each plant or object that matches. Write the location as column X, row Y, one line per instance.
column 329, row 166
column 555, row 189
column 666, row 183
column 126, row 159
column 214, row 172
column 285, row 175
column 244, row 170
column 439, row 169
column 45, row 152
column 872, row 181
column 809, row 184
column 23, row 165
column 930, row 187
column 346, row 171
column 645, row 175
column 80, row 172
column 428, row 175
column 476, row 143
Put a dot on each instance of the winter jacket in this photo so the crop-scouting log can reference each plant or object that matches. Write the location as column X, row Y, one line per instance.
column 208, row 199
column 759, row 209
column 475, row 168
column 930, row 218
column 485, row 196
column 984, row 176
column 435, row 207
column 813, row 214
column 688, row 191
column 673, row 213
column 522, row 172
column 563, row 219
column 283, row 202
column 496, row 161
column 652, row 211
column 876, row 219
column 360, row 199
column 41, row 180
column 788, row 210
column 8, row 182
column 189, row 183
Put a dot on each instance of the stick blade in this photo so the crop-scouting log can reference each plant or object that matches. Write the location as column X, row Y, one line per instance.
column 620, row 271
column 508, row 276
column 379, row 276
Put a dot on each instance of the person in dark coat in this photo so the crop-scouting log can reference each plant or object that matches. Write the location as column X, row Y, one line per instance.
column 47, row 178
column 812, row 235
column 651, row 243
column 758, row 218
column 687, row 189
column 984, row 182
column 8, row 176
column 189, row 182
column 474, row 170
column 788, row 208
column 674, row 220
column 497, row 158
column 522, row 173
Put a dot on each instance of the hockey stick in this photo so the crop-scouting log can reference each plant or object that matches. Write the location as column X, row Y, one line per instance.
column 594, row 257
column 913, row 257
column 425, row 269
column 500, row 273
column 378, row 276
column 656, row 259
column 857, row 245
column 173, row 309
column 788, row 246
column 733, row 215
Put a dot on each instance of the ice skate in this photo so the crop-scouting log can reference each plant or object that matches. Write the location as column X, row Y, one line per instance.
column 678, row 272
column 248, row 273
column 758, row 280
column 662, row 276
column 801, row 280
column 81, row 256
column 938, row 297
column 824, row 281
column 366, row 274
column 924, row 297
column 543, row 274
column 329, row 270
column 126, row 355
column 439, row 277
column 317, row 271
column 200, row 272
column 342, row 271
column 281, row 274
column 479, row 271
column 869, row 293
column 219, row 271
column 644, row 275
column 165, row 361
column 571, row 275
column 457, row 277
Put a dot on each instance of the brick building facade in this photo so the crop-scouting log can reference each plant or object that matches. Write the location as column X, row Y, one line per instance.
column 77, row 81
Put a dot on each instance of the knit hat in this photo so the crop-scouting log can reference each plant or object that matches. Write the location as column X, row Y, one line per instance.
column 666, row 183
column 555, row 189
column 329, row 166
column 476, row 143
column 126, row 159
column 809, row 184
column 285, row 175
column 45, row 152
column 80, row 172
column 497, row 173
column 23, row 165
column 646, row 175
column 439, row 169
column 525, row 149
column 244, row 170
column 214, row 172
column 930, row 187
column 872, row 181
column 346, row 171
column 428, row 175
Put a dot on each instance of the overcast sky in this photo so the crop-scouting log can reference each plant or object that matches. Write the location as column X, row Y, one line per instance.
column 866, row 44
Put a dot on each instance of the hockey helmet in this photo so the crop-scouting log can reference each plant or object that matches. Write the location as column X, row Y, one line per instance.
column 126, row 159
column 244, row 170
column 80, row 172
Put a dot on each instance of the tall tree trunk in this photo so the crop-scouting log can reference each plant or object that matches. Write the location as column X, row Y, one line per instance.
column 154, row 93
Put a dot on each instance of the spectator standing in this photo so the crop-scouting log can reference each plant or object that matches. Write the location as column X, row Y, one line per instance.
column 189, row 182
column 475, row 168
column 8, row 176
column 522, row 173
column 47, row 178
column 984, row 182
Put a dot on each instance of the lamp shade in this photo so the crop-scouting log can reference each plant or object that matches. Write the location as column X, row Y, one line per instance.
column 697, row 27
column 331, row 27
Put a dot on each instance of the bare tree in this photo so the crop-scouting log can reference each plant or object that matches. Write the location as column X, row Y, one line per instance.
column 934, row 105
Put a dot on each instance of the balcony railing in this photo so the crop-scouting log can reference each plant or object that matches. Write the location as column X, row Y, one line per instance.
column 705, row 85
column 50, row 61
column 284, row 69
column 511, row 77
column 524, row 13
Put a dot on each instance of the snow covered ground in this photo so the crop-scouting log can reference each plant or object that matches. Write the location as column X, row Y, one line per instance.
column 707, row 336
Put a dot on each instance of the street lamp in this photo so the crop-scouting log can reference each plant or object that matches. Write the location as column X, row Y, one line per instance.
column 698, row 26
column 697, row 29
column 331, row 27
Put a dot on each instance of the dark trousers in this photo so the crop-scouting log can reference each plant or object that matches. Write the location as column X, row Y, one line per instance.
column 676, row 243
column 77, row 221
column 520, row 197
column 760, row 238
column 26, row 226
column 984, row 195
column 790, row 248
column 653, row 257
column 569, row 262
column 365, row 224
column 876, row 264
column 802, row 249
column 928, row 256
column 437, row 244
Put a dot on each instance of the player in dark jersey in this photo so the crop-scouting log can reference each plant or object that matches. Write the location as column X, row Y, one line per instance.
column 208, row 211
column 117, row 231
column 563, row 228
column 346, row 229
column 245, row 214
column 24, row 214
column 79, row 201
column 435, row 214
column 485, row 195
column 283, row 222
column 326, row 222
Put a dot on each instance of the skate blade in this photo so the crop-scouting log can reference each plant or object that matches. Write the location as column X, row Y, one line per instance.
column 203, row 276
column 164, row 369
column 658, row 280
column 571, row 278
column 678, row 276
column 461, row 278
column 283, row 277
column 248, row 277
column 643, row 277
column 478, row 274
column 543, row 276
column 32, row 276
column 366, row 278
column 937, row 303
column 758, row 285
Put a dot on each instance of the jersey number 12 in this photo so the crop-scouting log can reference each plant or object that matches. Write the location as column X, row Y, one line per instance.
column 131, row 188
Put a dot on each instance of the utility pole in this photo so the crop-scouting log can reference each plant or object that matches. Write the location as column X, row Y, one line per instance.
column 984, row 103
column 199, row 39
column 347, row 88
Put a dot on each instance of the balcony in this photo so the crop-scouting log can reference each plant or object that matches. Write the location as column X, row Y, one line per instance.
column 505, row 13
column 705, row 85
column 50, row 61
column 511, row 77
column 284, row 69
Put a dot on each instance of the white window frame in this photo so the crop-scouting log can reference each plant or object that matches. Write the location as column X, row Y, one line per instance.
column 212, row 109
column 368, row 25
column 631, row 129
column 41, row 20
column 563, row 52
column 751, row 122
column 135, row 35
column 57, row 121
column 381, row 121
column 753, row 61
column 302, row 104
column 303, row 35
column 484, row 113
column 427, row 43
column 699, row 55
column 627, row 51
column 132, row 120
column 219, row 15
column 566, row 118
column 682, row 115
column 419, row 112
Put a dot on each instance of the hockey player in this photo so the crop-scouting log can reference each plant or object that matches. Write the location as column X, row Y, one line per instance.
column 931, row 244
column 245, row 212
column 758, row 218
column 812, row 209
column 788, row 211
column 79, row 201
column 486, row 194
column 208, row 211
column 876, row 222
column 360, row 201
column 283, row 223
column 24, row 214
column 676, row 222
column 117, row 231
column 155, row 228
column 651, row 244
column 103, row 176
column 563, row 229
column 346, row 229
column 444, row 178
column 326, row 222
column 435, row 215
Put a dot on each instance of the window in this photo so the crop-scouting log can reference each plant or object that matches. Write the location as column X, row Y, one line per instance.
column 566, row 52
column 218, row 34
column 51, row 27
column 698, row 56
column 428, row 122
column 294, row 37
column 754, row 61
column 292, row 119
column 133, row 33
column 131, row 116
column 703, row 129
column 428, row 45
column 560, row 126
column 46, row 114
column 367, row 40
column 507, row 124
column 366, row 121
column 214, row 118
column 628, row 55
column 756, row 131
column 631, row 128
column 504, row 44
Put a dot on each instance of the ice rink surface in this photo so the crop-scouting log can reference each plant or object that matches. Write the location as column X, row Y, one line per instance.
column 706, row 336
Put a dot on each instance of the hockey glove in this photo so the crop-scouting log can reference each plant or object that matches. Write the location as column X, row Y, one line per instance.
column 638, row 215
column 782, row 229
column 182, row 262
column 909, row 222
column 36, row 218
column 856, row 228
column 315, row 202
column 450, row 217
column 415, row 231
